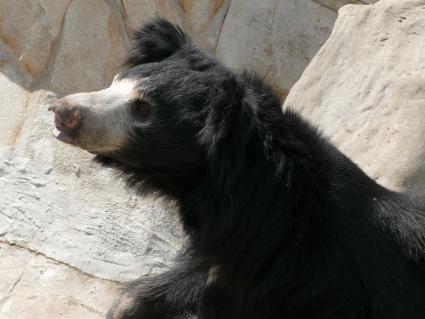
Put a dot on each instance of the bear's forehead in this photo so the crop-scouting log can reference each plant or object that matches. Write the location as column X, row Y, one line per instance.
column 168, row 80
column 121, row 91
column 125, row 89
column 156, row 69
column 164, row 72
column 122, row 86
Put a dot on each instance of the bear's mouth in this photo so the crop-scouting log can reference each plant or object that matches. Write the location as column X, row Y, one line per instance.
column 62, row 136
column 67, row 122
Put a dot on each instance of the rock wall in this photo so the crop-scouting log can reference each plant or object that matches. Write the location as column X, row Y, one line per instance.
column 365, row 89
column 57, row 201
column 68, row 227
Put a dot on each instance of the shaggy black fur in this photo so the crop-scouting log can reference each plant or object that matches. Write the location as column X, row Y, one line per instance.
column 281, row 224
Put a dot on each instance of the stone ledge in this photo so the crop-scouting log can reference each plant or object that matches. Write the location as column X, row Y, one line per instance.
column 34, row 287
column 336, row 4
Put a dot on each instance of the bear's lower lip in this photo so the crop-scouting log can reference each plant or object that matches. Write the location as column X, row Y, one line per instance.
column 63, row 137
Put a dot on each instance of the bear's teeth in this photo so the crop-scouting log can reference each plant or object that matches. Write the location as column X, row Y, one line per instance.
column 63, row 137
column 56, row 132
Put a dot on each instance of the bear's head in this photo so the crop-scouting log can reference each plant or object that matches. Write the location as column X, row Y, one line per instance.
column 154, row 117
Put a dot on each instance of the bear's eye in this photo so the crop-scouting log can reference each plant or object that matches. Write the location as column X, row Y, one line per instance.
column 142, row 109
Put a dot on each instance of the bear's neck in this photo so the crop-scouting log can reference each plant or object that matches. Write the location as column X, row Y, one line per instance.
column 282, row 180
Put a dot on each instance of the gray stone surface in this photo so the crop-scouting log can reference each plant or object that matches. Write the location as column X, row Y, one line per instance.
column 91, row 48
column 13, row 103
column 29, row 29
column 108, row 237
column 55, row 201
column 70, row 230
column 365, row 90
column 33, row 286
column 203, row 19
column 276, row 38
column 336, row 4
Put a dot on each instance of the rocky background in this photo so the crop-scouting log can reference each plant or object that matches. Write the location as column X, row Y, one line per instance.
column 70, row 231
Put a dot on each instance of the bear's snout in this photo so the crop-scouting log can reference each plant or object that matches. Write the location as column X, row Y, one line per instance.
column 67, row 120
column 67, row 117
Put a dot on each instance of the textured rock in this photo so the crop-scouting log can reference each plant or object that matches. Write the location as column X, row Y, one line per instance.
column 35, row 287
column 273, row 37
column 77, row 223
column 107, row 240
column 203, row 19
column 29, row 28
column 276, row 38
column 91, row 48
column 56, row 202
column 60, row 203
column 136, row 11
column 336, row 4
column 365, row 90
column 14, row 98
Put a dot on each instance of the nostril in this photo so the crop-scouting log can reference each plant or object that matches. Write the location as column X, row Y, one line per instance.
column 63, row 113
column 67, row 117
column 58, row 104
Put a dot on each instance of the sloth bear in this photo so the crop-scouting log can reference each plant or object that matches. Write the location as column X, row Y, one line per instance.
column 281, row 224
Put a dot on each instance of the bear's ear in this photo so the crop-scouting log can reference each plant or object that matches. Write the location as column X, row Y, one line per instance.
column 155, row 41
column 225, row 112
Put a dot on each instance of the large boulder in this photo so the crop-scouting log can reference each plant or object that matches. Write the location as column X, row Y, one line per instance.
column 275, row 38
column 365, row 89
column 33, row 286
column 29, row 29
column 56, row 201
column 90, row 47
column 65, row 222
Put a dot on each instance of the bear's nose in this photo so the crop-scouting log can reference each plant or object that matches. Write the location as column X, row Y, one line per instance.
column 67, row 117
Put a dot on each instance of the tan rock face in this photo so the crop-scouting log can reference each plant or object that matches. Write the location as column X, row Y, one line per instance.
column 29, row 28
column 14, row 100
column 365, row 90
column 89, row 38
column 203, row 19
column 29, row 283
column 275, row 38
column 91, row 48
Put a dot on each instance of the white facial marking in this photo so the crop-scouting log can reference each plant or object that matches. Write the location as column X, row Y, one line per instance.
column 115, row 77
column 120, row 90
column 107, row 122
